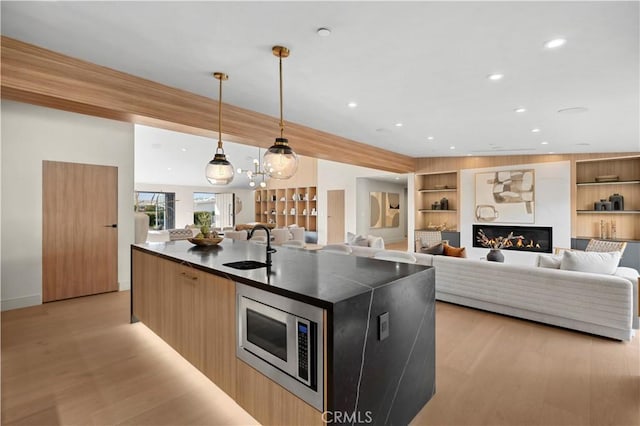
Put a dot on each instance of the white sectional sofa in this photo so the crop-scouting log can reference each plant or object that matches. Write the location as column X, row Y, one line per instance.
column 605, row 305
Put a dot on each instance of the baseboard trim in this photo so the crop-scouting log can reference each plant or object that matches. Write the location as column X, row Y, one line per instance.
column 21, row 302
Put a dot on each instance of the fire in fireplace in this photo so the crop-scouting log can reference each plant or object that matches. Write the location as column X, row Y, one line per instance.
column 534, row 238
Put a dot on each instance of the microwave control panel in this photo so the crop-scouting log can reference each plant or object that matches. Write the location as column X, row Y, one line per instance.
column 303, row 350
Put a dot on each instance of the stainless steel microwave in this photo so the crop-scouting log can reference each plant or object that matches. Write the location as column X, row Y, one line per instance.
column 283, row 339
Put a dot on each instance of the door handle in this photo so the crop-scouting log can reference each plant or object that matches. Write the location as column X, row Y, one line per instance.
column 115, row 225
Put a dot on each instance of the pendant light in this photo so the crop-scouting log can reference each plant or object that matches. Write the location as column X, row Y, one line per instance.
column 280, row 162
column 219, row 171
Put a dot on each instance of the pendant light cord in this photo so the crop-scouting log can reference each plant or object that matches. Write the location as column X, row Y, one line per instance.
column 281, row 121
column 220, row 117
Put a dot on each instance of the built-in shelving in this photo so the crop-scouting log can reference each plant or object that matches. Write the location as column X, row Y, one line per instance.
column 608, row 211
column 433, row 188
column 589, row 222
column 439, row 190
column 617, row 182
column 287, row 206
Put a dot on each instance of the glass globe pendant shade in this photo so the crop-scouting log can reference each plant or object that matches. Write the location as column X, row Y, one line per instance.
column 280, row 162
column 219, row 171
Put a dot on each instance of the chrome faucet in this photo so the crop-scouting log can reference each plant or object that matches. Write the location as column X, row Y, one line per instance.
column 269, row 249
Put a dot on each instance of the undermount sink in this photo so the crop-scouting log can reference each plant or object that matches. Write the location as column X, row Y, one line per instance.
column 246, row 264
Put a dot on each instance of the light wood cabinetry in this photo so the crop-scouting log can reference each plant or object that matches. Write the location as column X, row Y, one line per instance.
column 287, row 206
column 219, row 335
column 590, row 188
column 195, row 313
column 191, row 310
column 431, row 188
column 270, row 403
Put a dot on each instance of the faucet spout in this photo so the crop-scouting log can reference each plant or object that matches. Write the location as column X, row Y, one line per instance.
column 269, row 249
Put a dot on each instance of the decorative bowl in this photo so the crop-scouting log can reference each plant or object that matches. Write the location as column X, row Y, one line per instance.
column 206, row 241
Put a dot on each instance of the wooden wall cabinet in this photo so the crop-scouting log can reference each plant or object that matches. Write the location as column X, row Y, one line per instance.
column 623, row 174
column 432, row 188
column 287, row 206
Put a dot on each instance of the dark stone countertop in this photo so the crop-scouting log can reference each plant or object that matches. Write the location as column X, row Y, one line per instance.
column 311, row 276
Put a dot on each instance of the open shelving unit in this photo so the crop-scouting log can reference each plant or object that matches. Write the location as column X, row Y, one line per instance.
column 287, row 206
column 589, row 191
column 431, row 188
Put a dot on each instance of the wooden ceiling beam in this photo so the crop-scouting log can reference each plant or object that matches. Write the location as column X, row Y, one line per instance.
column 39, row 76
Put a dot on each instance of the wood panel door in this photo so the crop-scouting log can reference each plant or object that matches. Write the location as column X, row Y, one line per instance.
column 79, row 230
column 335, row 216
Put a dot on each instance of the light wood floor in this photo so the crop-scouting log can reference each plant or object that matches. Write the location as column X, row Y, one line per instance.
column 80, row 362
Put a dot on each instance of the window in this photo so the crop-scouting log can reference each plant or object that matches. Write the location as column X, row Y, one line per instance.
column 216, row 210
column 159, row 206
column 204, row 204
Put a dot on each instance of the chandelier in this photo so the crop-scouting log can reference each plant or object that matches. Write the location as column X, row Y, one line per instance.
column 254, row 174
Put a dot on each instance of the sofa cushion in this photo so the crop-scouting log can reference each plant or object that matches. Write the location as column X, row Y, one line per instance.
column 375, row 242
column 454, row 251
column 436, row 249
column 549, row 261
column 588, row 261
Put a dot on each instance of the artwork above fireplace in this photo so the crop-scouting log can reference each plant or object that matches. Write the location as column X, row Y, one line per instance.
column 535, row 238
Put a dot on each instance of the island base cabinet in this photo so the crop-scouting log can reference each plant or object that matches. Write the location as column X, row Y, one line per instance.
column 192, row 311
column 270, row 403
column 220, row 337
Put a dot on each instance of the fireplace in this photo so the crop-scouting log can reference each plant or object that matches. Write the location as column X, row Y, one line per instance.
column 535, row 238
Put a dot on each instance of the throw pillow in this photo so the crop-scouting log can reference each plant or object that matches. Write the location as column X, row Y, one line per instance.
column 375, row 242
column 454, row 251
column 590, row 261
column 351, row 237
column 549, row 261
column 436, row 249
column 360, row 240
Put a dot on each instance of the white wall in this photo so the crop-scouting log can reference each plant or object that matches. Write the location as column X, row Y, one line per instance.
column 363, row 187
column 332, row 176
column 31, row 134
column 552, row 207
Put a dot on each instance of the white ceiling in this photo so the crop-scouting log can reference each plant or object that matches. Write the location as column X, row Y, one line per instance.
column 420, row 63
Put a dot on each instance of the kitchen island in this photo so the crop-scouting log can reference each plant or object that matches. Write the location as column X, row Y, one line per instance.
column 376, row 333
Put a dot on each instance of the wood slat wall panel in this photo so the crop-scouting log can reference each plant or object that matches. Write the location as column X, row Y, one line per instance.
column 35, row 75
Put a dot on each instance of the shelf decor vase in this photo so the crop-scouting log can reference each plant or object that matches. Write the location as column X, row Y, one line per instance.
column 495, row 255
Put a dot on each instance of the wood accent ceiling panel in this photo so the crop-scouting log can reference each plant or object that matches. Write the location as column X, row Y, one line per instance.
column 446, row 164
column 39, row 76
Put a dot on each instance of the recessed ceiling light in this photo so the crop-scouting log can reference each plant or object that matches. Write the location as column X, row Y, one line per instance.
column 520, row 109
column 352, row 104
column 551, row 152
column 468, row 155
column 169, row 168
column 452, row 147
column 495, row 76
column 324, row 32
column 555, row 43
column 544, row 143
column 536, row 130
column 398, row 124
column 397, row 178
column 430, row 138
column 184, row 150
